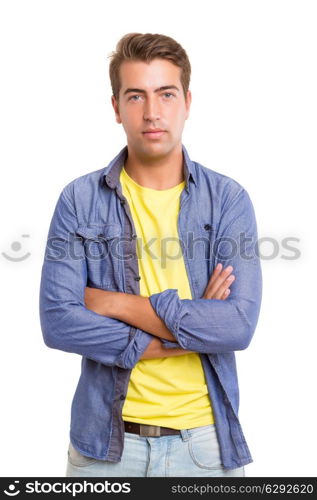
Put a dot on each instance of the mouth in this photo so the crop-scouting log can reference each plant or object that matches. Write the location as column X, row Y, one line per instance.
column 153, row 134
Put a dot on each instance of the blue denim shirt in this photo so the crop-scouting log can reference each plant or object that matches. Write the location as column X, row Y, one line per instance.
column 92, row 242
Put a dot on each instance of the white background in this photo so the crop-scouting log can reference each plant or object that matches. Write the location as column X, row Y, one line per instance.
column 253, row 118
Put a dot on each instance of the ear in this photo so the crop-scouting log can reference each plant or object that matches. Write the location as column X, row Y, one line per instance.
column 115, row 105
column 188, row 102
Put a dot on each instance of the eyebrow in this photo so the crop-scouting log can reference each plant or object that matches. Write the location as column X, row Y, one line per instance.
column 141, row 91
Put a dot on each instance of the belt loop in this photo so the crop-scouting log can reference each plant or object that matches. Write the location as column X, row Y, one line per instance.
column 185, row 434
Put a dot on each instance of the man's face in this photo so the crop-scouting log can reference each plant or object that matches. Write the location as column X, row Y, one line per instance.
column 151, row 97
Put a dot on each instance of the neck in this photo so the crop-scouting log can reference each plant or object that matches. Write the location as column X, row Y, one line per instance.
column 159, row 172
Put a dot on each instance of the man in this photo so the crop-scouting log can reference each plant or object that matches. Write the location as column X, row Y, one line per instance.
column 138, row 279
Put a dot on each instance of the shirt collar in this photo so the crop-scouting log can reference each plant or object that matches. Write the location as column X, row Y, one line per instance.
column 111, row 173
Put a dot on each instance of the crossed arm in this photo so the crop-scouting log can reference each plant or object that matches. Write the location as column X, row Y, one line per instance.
column 138, row 311
column 100, row 329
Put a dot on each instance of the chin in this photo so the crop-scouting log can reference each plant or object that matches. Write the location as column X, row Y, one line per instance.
column 157, row 150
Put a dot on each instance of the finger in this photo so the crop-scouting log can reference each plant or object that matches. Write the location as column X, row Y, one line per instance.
column 219, row 289
column 225, row 285
column 215, row 273
column 219, row 280
column 225, row 294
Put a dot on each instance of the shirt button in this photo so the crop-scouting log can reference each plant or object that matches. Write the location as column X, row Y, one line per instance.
column 137, row 278
column 207, row 227
column 122, row 202
column 122, row 396
column 133, row 237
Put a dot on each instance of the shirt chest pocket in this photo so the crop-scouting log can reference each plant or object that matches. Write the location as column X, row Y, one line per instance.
column 101, row 242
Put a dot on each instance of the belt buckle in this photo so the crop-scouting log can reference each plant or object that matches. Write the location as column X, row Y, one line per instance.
column 150, row 430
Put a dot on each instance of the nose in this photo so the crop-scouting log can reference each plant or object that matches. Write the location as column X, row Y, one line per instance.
column 151, row 111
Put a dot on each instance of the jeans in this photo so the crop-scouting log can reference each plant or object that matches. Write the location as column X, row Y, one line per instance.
column 195, row 452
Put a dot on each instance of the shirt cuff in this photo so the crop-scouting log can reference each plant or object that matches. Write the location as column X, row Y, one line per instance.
column 167, row 344
column 168, row 307
column 134, row 350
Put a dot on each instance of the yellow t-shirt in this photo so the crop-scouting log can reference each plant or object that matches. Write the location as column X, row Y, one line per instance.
column 170, row 392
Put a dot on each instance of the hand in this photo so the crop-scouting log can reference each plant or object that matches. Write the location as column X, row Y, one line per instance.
column 155, row 349
column 219, row 282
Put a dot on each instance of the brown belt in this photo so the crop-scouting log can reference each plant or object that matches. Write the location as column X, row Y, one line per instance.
column 149, row 430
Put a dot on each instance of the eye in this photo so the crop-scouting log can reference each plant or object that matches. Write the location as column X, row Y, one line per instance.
column 132, row 97
column 168, row 94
